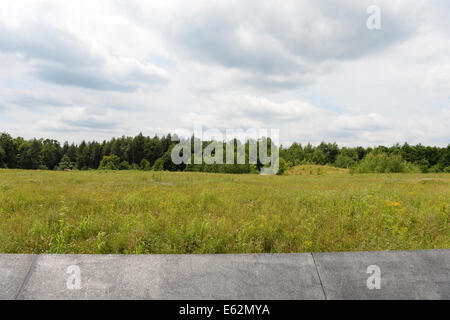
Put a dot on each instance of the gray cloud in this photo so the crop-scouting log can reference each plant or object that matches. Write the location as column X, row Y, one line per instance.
column 75, row 119
column 29, row 101
column 92, row 123
column 263, row 39
column 58, row 57
column 310, row 68
column 80, row 78
column 41, row 42
column 214, row 38
column 335, row 31
column 275, row 84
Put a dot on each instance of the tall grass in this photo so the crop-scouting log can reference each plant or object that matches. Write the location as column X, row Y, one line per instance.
column 147, row 212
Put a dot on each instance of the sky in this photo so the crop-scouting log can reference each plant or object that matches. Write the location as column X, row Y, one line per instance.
column 74, row 70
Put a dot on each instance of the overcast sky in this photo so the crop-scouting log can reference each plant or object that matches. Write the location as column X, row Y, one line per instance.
column 73, row 70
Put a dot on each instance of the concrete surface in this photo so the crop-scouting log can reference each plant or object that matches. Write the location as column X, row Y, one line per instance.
column 177, row 277
column 404, row 275
column 13, row 271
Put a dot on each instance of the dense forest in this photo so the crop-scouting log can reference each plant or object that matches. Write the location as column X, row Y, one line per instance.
column 154, row 153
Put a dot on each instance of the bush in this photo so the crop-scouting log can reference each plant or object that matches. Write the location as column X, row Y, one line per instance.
column 124, row 165
column 111, row 162
column 423, row 165
column 145, row 165
column 159, row 165
column 135, row 166
column 2, row 158
column 319, row 157
column 344, row 161
column 282, row 166
column 65, row 163
column 381, row 162
column 165, row 163
column 254, row 169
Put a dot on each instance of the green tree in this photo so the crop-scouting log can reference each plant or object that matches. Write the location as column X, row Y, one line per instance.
column 95, row 154
column 10, row 147
column 381, row 162
column 423, row 165
column 293, row 154
column 138, row 147
column 65, row 163
column 111, row 162
column 282, row 166
column 30, row 155
column 344, row 161
column 51, row 153
column 83, row 156
column 2, row 158
column 330, row 151
column 346, row 158
column 153, row 149
column 444, row 159
column 318, row 157
column 116, row 147
column 167, row 163
column 124, row 165
column 159, row 165
column 71, row 152
column 145, row 165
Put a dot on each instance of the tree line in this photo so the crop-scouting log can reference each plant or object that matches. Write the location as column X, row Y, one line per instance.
column 397, row 158
column 154, row 153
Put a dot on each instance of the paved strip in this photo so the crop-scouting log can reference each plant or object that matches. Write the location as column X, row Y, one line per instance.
column 13, row 271
column 403, row 274
column 244, row 277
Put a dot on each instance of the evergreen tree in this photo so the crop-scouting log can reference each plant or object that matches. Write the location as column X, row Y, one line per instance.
column 30, row 155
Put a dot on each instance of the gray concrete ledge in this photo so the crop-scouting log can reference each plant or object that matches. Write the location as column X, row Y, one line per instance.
column 403, row 275
column 13, row 272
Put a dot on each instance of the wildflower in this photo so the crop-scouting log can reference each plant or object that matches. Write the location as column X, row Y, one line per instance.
column 392, row 204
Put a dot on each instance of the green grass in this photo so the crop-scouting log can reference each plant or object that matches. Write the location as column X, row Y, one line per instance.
column 153, row 212
column 314, row 169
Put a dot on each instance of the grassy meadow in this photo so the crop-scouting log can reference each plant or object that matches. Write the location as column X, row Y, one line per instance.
column 308, row 209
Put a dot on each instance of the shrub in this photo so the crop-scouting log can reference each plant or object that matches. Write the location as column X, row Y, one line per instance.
column 165, row 162
column 145, row 165
column 282, row 166
column 65, row 163
column 254, row 169
column 319, row 157
column 381, row 162
column 124, row 165
column 135, row 166
column 111, row 162
column 2, row 158
column 344, row 161
column 159, row 165
column 423, row 165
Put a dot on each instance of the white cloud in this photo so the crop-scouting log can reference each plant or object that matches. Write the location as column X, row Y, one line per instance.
column 96, row 69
